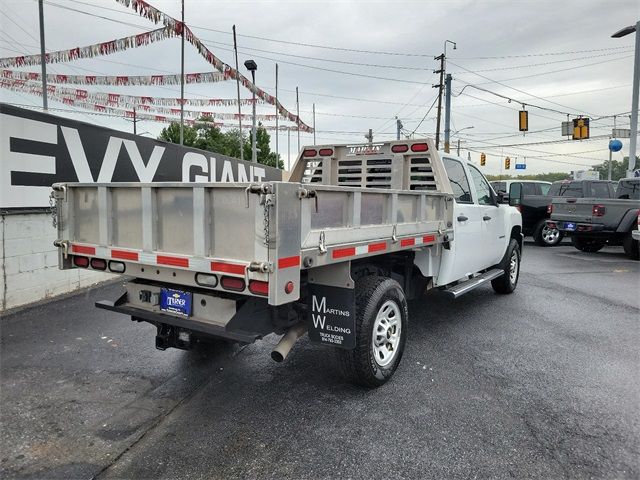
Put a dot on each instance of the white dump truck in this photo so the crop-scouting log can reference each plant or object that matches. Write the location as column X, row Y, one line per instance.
column 336, row 251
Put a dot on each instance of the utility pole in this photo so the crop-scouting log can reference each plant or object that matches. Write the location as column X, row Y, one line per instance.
column 633, row 140
column 277, row 114
column 314, row 123
column 182, row 81
column 298, row 116
column 369, row 136
column 398, row 128
column 458, row 147
column 235, row 49
column 135, row 121
column 440, row 87
column 43, row 56
column 288, row 149
column 447, row 114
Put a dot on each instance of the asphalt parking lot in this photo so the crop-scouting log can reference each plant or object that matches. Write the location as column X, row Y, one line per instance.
column 539, row 384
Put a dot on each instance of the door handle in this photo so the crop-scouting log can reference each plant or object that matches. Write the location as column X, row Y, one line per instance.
column 462, row 218
column 486, row 218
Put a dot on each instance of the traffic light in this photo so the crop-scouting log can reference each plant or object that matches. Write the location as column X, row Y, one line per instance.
column 507, row 163
column 523, row 120
column 580, row 128
column 483, row 159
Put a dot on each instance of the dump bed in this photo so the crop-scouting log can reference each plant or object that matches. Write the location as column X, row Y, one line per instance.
column 261, row 236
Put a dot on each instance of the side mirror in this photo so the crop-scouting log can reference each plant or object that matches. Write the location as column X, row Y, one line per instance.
column 515, row 194
column 500, row 197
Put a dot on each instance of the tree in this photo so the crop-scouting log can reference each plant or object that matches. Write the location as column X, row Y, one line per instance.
column 618, row 169
column 547, row 177
column 211, row 138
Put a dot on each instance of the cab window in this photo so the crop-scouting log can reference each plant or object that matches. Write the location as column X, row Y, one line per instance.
column 529, row 188
column 482, row 186
column 600, row 190
column 458, row 180
column 544, row 188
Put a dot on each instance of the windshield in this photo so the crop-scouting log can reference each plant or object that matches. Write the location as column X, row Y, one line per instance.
column 628, row 189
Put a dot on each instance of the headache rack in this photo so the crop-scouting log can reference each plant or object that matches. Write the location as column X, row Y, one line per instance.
column 341, row 203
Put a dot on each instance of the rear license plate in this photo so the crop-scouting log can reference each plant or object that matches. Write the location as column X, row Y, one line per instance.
column 175, row 301
column 570, row 226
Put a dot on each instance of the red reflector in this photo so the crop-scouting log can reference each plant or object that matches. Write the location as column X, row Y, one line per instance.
column 288, row 288
column 223, row 267
column 310, row 153
column 259, row 288
column 232, row 283
column 173, row 261
column 429, row 238
column 82, row 262
column 98, row 264
column 287, row 262
column 405, row 242
column 550, row 208
column 419, row 147
column 399, row 148
column 124, row 255
column 81, row 249
column 326, row 152
column 343, row 252
column 377, row 247
column 598, row 210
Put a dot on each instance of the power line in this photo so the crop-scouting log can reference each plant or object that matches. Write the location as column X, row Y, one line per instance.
column 572, row 52
column 425, row 115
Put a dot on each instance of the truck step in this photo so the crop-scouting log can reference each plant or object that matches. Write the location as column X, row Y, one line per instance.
column 465, row 287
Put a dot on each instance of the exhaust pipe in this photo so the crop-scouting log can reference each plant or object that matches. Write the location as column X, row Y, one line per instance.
column 286, row 342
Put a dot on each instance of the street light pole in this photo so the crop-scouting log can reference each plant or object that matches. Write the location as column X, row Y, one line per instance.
column 633, row 140
column 252, row 67
column 43, row 56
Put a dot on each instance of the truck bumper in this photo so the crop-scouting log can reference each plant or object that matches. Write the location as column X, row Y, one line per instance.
column 570, row 228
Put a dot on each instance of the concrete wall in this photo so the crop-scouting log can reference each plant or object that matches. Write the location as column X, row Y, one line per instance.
column 29, row 267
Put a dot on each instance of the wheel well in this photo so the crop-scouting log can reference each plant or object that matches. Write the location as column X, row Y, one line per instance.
column 516, row 233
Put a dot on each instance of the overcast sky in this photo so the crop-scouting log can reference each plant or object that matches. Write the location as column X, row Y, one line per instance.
column 556, row 55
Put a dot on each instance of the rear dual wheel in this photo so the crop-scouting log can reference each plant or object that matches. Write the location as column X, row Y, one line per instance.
column 381, row 331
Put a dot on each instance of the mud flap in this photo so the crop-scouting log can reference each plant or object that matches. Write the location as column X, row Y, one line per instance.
column 332, row 316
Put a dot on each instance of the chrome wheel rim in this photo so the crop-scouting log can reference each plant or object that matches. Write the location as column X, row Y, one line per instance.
column 513, row 267
column 387, row 328
column 550, row 235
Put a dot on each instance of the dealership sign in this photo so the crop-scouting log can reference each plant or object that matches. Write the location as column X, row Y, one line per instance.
column 38, row 150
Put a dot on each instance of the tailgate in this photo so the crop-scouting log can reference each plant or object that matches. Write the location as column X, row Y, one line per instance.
column 576, row 210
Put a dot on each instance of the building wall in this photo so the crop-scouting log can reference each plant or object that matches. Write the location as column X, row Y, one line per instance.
column 29, row 267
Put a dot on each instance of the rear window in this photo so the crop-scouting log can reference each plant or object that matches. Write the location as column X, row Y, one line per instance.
column 571, row 189
column 529, row 189
column 544, row 188
column 628, row 189
column 600, row 190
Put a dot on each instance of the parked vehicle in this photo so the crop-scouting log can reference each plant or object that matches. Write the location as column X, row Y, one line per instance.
column 596, row 222
column 336, row 251
column 534, row 199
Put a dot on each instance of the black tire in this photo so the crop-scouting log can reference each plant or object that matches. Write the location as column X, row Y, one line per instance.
column 545, row 236
column 631, row 247
column 360, row 365
column 507, row 283
column 587, row 245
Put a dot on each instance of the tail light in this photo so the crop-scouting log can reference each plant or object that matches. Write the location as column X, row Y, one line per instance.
column 419, row 147
column 325, row 152
column 82, row 262
column 550, row 209
column 206, row 280
column 98, row 264
column 584, row 228
column 552, row 225
column 598, row 210
column 259, row 288
column 310, row 153
column 232, row 283
column 400, row 148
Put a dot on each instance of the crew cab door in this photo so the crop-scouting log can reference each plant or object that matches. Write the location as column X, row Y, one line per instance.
column 465, row 255
column 493, row 224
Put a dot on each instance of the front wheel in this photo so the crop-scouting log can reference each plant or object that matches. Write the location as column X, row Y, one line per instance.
column 381, row 330
column 587, row 245
column 545, row 236
column 511, row 265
